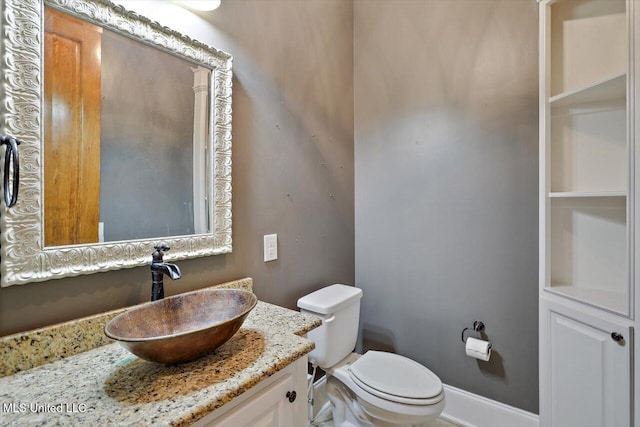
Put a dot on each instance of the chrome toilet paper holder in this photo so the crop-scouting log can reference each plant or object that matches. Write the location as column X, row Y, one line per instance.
column 478, row 326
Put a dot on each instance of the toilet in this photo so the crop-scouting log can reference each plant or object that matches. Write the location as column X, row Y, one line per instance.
column 376, row 389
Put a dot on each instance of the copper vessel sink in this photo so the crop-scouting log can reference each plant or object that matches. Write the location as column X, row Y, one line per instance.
column 182, row 327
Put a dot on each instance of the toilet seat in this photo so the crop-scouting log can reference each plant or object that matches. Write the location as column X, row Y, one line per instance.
column 396, row 378
column 385, row 406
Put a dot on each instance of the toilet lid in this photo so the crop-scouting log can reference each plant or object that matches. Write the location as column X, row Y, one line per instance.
column 395, row 375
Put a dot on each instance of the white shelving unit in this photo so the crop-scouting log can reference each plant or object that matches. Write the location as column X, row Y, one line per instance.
column 587, row 221
column 586, row 152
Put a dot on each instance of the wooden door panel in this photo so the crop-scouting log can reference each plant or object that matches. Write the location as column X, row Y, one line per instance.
column 72, row 81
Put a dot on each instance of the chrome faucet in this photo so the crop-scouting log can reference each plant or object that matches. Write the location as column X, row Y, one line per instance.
column 158, row 269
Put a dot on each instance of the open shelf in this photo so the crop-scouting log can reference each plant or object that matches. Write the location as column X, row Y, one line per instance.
column 569, row 194
column 588, row 248
column 612, row 87
column 587, row 49
column 589, row 152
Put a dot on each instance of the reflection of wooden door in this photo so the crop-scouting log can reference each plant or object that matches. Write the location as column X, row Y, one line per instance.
column 71, row 129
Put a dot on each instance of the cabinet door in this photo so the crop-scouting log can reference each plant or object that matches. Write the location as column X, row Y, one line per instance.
column 270, row 408
column 585, row 373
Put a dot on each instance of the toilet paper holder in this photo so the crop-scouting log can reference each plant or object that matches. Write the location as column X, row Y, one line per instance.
column 478, row 326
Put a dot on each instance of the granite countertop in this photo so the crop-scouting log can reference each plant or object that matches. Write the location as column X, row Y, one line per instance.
column 108, row 385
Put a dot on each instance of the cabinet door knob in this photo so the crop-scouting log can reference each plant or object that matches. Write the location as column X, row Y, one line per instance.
column 616, row 337
column 291, row 395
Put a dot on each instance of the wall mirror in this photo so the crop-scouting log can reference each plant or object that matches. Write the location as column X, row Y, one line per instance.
column 125, row 130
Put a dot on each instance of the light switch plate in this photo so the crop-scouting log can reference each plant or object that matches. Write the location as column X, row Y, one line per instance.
column 270, row 247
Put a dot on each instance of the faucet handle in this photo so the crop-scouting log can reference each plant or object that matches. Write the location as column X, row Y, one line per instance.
column 161, row 247
column 159, row 251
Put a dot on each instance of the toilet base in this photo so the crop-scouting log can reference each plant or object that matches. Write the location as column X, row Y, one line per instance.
column 345, row 413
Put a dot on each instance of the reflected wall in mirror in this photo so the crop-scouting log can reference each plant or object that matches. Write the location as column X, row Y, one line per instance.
column 126, row 130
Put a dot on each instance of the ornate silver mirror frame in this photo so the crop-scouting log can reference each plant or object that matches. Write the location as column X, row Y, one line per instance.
column 25, row 258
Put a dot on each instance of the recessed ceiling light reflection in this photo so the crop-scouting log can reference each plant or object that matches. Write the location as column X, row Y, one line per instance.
column 202, row 5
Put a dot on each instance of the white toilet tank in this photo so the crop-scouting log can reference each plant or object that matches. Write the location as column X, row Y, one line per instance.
column 339, row 308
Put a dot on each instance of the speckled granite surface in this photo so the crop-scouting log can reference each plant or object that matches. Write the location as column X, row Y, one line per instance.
column 109, row 386
column 29, row 349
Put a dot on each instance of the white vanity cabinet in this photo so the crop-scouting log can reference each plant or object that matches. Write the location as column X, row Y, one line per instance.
column 588, row 204
column 270, row 403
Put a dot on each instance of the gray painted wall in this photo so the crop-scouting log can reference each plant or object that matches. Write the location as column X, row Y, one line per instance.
column 446, row 186
column 292, row 163
column 146, row 151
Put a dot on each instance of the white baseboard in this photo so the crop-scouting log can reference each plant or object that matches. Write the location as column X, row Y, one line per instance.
column 471, row 410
